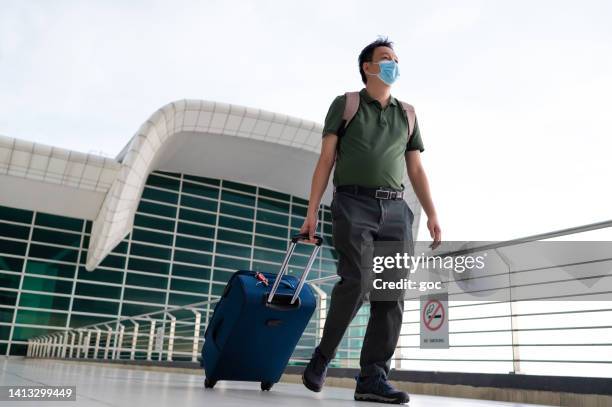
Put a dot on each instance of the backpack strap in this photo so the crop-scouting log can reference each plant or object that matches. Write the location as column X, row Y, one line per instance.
column 411, row 116
column 351, row 106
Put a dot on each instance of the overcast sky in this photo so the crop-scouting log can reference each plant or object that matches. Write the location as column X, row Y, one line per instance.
column 513, row 97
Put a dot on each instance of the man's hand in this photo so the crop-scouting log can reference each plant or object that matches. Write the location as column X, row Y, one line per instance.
column 434, row 232
column 310, row 227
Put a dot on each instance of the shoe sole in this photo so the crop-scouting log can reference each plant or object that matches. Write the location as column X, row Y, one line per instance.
column 380, row 399
column 310, row 386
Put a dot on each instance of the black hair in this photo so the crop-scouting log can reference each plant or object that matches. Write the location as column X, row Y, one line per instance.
column 368, row 52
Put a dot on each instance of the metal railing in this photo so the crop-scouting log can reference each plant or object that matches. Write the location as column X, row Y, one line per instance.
column 177, row 333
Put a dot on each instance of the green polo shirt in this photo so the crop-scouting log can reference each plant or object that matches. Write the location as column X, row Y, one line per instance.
column 373, row 145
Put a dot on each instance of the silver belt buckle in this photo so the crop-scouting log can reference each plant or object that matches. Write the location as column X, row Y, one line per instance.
column 376, row 195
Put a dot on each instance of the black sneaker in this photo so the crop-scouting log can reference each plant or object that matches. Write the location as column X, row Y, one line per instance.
column 377, row 388
column 315, row 371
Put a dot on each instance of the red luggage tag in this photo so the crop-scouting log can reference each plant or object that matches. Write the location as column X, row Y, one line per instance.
column 262, row 279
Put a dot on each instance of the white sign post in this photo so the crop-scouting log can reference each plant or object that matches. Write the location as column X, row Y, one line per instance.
column 434, row 321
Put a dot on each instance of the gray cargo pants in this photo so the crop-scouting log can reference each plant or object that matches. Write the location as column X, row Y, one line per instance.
column 357, row 219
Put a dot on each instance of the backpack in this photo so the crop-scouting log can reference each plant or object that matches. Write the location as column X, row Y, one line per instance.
column 350, row 110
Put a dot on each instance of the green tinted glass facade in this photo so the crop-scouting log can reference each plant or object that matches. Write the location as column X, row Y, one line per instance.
column 190, row 234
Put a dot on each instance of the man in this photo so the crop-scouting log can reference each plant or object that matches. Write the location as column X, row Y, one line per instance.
column 370, row 158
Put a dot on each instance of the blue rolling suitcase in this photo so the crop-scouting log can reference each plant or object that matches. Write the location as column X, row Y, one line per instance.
column 256, row 324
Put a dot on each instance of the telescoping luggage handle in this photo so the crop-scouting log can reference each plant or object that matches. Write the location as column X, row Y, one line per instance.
column 294, row 241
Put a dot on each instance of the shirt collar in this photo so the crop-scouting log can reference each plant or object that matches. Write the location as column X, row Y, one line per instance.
column 370, row 99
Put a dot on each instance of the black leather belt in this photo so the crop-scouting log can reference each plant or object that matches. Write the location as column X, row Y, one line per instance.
column 373, row 192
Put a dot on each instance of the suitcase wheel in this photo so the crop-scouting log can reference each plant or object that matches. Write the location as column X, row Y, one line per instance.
column 209, row 383
column 266, row 386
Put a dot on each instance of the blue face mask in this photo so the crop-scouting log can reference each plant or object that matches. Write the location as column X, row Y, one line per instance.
column 389, row 71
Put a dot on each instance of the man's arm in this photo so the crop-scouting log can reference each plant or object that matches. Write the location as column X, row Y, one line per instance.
column 320, row 179
column 419, row 182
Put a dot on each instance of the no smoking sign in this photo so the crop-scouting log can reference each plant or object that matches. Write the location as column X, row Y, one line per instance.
column 434, row 321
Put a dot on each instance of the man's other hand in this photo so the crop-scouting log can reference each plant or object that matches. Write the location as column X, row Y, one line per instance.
column 434, row 232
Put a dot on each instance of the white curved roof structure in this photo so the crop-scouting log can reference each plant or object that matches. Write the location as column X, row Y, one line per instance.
column 209, row 138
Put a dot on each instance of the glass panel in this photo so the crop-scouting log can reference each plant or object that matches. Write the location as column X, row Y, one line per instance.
column 9, row 280
column 239, row 186
column 205, row 180
column 130, row 309
column 152, row 237
column 233, row 250
column 188, row 285
column 194, row 244
column 235, row 197
column 97, row 290
column 300, row 201
column 121, row 247
column 230, row 263
column 95, row 306
column 78, row 320
column 10, row 263
column 142, row 280
column 200, row 190
column 6, row 315
column 163, row 182
column 199, row 203
column 270, row 217
column 235, row 210
column 56, row 237
column 196, row 230
column 271, row 243
column 143, row 250
column 12, row 247
column 273, row 205
column 195, row 216
column 133, row 294
column 41, row 318
column 114, row 261
column 192, row 257
column 149, row 266
column 47, row 285
column 237, row 237
column 234, row 223
column 190, row 271
column 184, row 299
column 40, row 300
column 158, row 195
column 274, row 194
column 14, row 231
column 105, row 276
column 8, row 297
column 267, row 255
column 15, row 215
column 59, row 222
column 299, row 210
column 271, row 230
column 50, row 269
column 154, row 223
column 22, row 333
column 222, row 276
column 156, row 209
column 53, row 253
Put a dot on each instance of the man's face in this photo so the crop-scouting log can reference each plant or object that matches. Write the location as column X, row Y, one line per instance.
column 380, row 54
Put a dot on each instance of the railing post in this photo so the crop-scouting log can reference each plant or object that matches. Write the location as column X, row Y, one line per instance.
column 71, row 353
column 78, row 348
column 56, row 346
column 151, row 338
column 97, row 345
column 47, row 346
column 118, row 341
column 171, row 336
column 64, row 345
column 109, row 334
column 196, row 336
column 134, row 339
column 87, row 342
